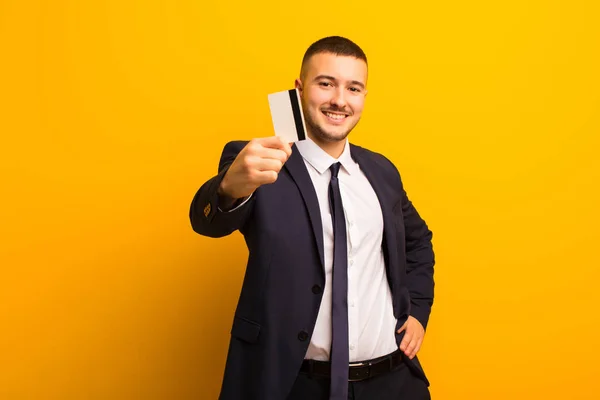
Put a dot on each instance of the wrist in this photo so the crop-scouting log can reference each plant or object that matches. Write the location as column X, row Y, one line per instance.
column 222, row 189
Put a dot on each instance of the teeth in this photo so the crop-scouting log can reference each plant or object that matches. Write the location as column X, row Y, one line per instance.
column 335, row 116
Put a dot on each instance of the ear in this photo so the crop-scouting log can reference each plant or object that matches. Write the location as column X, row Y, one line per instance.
column 298, row 85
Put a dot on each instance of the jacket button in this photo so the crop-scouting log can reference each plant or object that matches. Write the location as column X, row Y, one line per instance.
column 316, row 289
column 302, row 335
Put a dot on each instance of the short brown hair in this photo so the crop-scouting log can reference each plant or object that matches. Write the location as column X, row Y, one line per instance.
column 337, row 45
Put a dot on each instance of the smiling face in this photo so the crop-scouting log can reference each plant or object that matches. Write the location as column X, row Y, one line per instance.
column 333, row 90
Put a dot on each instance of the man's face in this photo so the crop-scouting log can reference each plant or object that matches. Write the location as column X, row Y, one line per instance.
column 333, row 90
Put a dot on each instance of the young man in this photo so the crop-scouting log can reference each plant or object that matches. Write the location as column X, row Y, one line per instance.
column 339, row 282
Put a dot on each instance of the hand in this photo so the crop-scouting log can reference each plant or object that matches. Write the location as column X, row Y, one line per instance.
column 257, row 164
column 413, row 338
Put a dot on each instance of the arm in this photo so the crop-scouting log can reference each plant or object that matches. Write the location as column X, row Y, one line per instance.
column 209, row 212
column 419, row 261
column 419, row 273
column 223, row 204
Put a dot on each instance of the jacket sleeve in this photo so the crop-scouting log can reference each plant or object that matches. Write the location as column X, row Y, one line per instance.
column 419, row 261
column 205, row 215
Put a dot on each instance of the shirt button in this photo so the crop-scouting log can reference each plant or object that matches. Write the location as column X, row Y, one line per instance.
column 351, row 347
column 351, row 262
column 302, row 336
column 316, row 289
column 352, row 304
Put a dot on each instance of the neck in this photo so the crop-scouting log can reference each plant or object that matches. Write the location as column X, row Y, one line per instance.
column 334, row 149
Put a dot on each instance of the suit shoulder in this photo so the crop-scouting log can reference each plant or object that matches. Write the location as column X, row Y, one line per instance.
column 379, row 158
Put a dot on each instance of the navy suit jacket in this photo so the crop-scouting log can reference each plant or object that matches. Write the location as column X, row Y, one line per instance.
column 282, row 286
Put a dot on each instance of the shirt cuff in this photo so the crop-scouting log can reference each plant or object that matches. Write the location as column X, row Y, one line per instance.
column 238, row 206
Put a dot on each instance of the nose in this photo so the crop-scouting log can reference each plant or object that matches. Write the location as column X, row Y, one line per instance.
column 338, row 99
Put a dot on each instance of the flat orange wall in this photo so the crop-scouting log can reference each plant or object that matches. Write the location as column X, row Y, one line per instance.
column 113, row 113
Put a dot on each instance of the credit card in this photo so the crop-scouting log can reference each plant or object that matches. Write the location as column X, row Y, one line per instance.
column 287, row 116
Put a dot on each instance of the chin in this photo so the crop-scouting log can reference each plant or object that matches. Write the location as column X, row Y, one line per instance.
column 333, row 136
column 324, row 131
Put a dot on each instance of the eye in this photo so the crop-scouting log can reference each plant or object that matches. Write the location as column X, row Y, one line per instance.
column 355, row 89
column 325, row 84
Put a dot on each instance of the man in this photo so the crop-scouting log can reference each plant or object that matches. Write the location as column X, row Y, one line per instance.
column 339, row 281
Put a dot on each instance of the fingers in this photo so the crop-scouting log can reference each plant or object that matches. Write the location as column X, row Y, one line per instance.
column 259, row 163
column 264, row 159
column 275, row 142
column 406, row 341
column 413, row 338
column 265, row 177
column 268, row 164
column 275, row 154
column 417, row 348
column 403, row 327
column 413, row 347
column 267, row 154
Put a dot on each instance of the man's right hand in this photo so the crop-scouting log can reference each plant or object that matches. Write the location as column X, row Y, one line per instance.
column 257, row 164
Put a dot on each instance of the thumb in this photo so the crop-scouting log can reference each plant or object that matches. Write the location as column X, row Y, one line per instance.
column 403, row 327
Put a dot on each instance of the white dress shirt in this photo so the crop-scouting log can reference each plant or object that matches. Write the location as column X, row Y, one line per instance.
column 370, row 315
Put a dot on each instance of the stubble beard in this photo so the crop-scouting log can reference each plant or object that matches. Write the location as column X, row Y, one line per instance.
column 321, row 134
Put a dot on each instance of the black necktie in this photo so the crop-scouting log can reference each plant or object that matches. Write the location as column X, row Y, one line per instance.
column 339, row 299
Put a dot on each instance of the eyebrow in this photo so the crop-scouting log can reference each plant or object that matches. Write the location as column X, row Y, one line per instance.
column 331, row 78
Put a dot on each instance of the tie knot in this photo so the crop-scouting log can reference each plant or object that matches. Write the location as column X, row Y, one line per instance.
column 335, row 168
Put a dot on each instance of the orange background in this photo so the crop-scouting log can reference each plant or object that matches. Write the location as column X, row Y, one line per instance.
column 113, row 113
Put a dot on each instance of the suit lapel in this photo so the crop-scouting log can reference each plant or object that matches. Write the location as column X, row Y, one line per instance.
column 373, row 173
column 297, row 169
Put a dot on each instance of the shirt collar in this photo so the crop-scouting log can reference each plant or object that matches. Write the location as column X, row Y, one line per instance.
column 321, row 161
